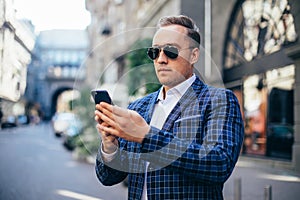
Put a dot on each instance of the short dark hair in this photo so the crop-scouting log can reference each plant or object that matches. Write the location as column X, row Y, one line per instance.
column 183, row 20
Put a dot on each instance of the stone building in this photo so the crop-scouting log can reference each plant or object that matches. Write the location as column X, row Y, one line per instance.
column 58, row 66
column 17, row 40
column 249, row 46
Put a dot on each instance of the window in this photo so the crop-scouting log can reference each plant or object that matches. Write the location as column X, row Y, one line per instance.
column 259, row 27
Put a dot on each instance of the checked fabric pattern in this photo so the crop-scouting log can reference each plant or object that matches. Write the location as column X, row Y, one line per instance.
column 191, row 157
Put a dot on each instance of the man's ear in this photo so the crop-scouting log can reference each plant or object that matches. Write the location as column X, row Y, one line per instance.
column 195, row 55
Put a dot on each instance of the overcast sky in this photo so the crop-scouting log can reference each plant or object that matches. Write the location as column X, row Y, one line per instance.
column 54, row 14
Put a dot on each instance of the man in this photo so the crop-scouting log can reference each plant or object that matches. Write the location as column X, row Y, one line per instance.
column 181, row 142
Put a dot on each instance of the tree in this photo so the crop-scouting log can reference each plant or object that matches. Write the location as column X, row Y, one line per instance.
column 141, row 69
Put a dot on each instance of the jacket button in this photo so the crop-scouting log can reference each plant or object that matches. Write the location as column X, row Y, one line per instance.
column 151, row 168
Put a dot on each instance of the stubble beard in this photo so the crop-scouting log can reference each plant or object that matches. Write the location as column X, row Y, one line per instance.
column 171, row 81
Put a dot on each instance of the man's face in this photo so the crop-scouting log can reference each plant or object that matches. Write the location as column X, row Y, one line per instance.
column 171, row 72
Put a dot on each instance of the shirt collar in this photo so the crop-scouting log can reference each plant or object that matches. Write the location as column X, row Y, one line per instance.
column 179, row 89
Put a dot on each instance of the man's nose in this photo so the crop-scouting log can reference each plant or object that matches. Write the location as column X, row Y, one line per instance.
column 162, row 57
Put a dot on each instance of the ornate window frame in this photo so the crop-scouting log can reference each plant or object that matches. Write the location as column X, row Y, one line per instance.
column 257, row 32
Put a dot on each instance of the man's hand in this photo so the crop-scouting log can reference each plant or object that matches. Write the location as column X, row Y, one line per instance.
column 119, row 122
column 109, row 142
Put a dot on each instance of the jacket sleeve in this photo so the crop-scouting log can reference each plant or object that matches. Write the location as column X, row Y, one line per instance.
column 204, row 145
column 109, row 173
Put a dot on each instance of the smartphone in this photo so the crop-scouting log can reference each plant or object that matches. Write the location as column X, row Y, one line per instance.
column 100, row 96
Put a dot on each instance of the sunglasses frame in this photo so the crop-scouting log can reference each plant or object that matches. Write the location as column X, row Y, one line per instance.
column 172, row 53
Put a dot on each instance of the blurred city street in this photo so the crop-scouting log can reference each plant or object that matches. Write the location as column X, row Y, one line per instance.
column 35, row 165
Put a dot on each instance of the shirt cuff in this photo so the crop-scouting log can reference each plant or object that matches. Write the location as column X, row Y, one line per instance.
column 108, row 157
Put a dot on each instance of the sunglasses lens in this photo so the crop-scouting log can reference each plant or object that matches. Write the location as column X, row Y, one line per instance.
column 153, row 53
column 171, row 52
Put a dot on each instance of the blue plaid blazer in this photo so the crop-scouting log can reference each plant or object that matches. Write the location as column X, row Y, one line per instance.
column 191, row 157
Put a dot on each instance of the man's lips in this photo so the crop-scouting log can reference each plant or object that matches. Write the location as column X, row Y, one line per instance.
column 164, row 69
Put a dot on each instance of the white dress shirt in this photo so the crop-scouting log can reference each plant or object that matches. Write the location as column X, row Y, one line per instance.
column 163, row 108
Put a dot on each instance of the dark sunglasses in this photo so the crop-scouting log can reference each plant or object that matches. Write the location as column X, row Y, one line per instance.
column 169, row 50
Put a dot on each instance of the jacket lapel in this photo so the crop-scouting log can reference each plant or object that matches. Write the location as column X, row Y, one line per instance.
column 188, row 98
column 150, row 107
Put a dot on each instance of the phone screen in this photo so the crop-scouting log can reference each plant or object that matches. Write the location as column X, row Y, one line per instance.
column 100, row 96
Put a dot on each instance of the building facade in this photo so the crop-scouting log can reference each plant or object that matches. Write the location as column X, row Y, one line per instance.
column 58, row 66
column 248, row 46
column 17, row 40
column 260, row 63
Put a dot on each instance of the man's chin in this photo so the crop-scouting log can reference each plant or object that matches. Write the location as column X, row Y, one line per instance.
column 169, row 83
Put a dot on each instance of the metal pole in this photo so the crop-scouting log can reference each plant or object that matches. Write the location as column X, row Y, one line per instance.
column 237, row 189
column 207, row 41
column 268, row 192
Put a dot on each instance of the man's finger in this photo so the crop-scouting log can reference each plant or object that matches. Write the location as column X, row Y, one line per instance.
column 116, row 110
column 109, row 130
column 101, row 117
column 104, row 105
column 121, row 112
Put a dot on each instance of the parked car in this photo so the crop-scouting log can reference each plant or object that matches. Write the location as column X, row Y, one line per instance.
column 66, row 123
column 22, row 120
column 280, row 139
column 9, row 122
column 71, row 134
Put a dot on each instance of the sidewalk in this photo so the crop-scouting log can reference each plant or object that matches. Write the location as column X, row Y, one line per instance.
column 255, row 174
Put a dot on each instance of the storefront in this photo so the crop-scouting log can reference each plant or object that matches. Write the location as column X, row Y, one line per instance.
column 261, row 74
column 268, row 111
